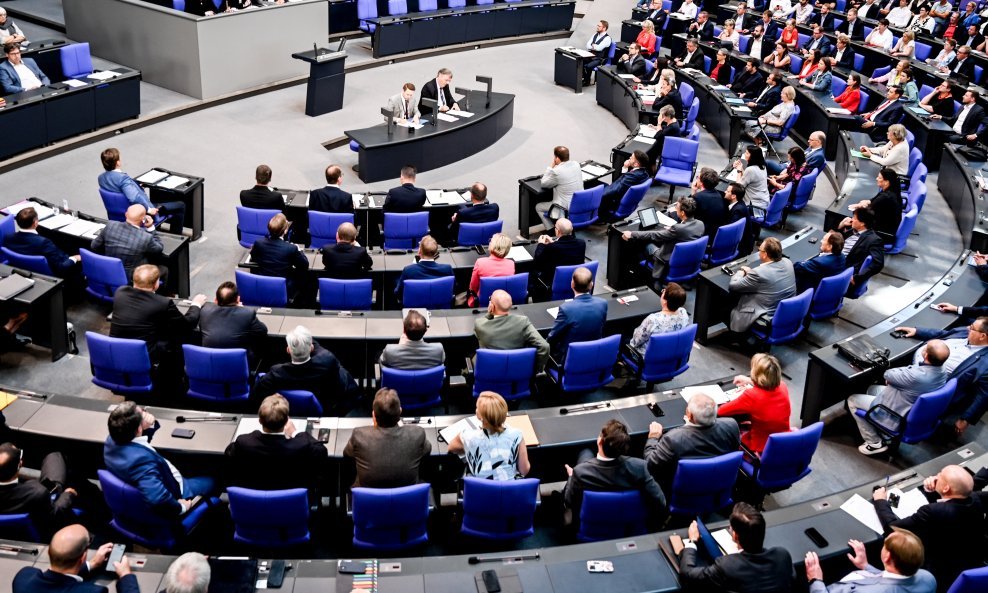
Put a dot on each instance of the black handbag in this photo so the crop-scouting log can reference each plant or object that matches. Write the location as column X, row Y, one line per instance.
column 864, row 353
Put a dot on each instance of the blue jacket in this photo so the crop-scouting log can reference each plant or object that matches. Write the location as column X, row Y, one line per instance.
column 815, row 159
column 31, row 580
column 423, row 270
column 616, row 190
column 11, row 82
column 971, row 374
column 890, row 115
column 34, row 244
column 579, row 320
column 810, row 272
column 122, row 183
column 146, row 470
column 824, row 46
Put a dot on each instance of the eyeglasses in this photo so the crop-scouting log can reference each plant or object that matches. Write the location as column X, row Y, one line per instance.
column 976, row 330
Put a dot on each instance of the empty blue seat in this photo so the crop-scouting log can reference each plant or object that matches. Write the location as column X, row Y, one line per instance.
column 499, row 510
column 686, row 93
column 366, row 9
column 103, row 275
column 32, row 263
column 417, row 389
column 217, row 374
column 702, row 486
column 505, row 372
column 789, row 319
column 76, row 61
column 629, row 201
column 666, row 356
column 404, row 231
column 116, row 205
column 584, row 206
column 397, row 7
column 684, row 264
column 7, row 228
column 919, row 423
column 261, row 291
column 345, row 295
column 269, row 518
column 858, row 63
column 390, row 519
column 610, row 515
column 726, row 242
column 516, row 286
column 323, row 225
column 19, row 526
column 436, row 293
column 252, row 224
column 562, row 280
column 478, row 233
column 856, row 290
column 785, row 459
column 906, row 226
column 828, row 298
column 691, row 113
column 302, row 403
column 588, row 365
column 677, row 165
column 120, row 365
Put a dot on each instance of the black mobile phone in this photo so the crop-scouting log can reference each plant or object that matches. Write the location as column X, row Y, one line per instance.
column 656, row 409
column 352, row 567
column 491, row 582
column 183, row 433
column 276, row 574
column 816, row 538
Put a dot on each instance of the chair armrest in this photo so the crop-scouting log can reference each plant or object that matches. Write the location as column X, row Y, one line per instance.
column 456, row 381
column 377, row 372
column 468, row 364
column 756, row 461
column 900, row 420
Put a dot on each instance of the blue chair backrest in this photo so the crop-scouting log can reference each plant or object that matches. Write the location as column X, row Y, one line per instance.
column 924, row 417
column 132, row 516
column 918, row 176
column 743, row 41
column 404, row 231
column 397, row 7
column 119, row 364
column 178, row 5
column 804, row 191
column 803, row 38
column 103, row 275
column 922, row 51
column 687, row 94
column 694, row 110
column 787, row 456
column 795, row 63
column 978, row 71
column 649, row 66
column 427, row 5
column 863, row 103
column 788, row 320
column 706, row 64
column 704, row 485
column 694, row 133
column 726, row 241
column 788, row 125
column 924, row 90
column 867, row 30
column 679, row 153
column 116, row 205
column 611, row 515
column 590, row 365
column 457, row 3
column 858, row 62
column 478, row 233
column 33, row 263
column 76, row 61
column 8, row 227
column 499, row 510
column 345, row 295
column 667, row 5
column 584, row 205
column 837, row 86
column 974, row 580
column 217, row 374
column 828, row 298
column 252, row 224
column 507, row 372
column 390, row 519
column 859, row 289
column 916, row 195
column 915, row 158
column 436, row 293
column 516, row 286
column 776, row 207
column 906, row 226
column 418, row 389
column 563, row 277
column 217, row 4
column 302, row 403
column 269, row 518
column 684, row 265
column 366, row 9
column 610, row 53
column 668, row 354
column 18, row 526
column 881, row 71
column 323, row 225
column 632, row 197
column 262, row 291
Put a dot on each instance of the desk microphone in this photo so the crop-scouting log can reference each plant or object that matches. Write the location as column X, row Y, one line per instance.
column 928, row 297
column 585, row 407
column 181, row 419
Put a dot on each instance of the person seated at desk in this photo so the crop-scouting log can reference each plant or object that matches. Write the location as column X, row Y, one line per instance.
column 729, row 35
column 661, row 69
column 829, row 262
column 668, row 128
column 850, row 98
column 69, row 571
column 902, row 556
column 801, row 12
column 901, row 389
column 331, row 197
column 710, row 207
column 9, row 31
column 687, row 9
column 693, row 58
column 810, row 65
column 860, row 241
column 494, row 265
column 261, row 196
column 793, row 172
column 27, row 241
column 945, row 56
column 967, row 122
column 779, row 60
column 749, row 81
column 276, row 456
column 189, row 573
column 580, row 319
column 844, row 55
column 667, row 93
column 275, row 256
column 632, row 62
column 659, row 244
column 500, row 330
column 411, row 352
column 720, row 71
column 477, row 211
column 493, row 451
column 923, row 22
column 702, row 27
column 900, row 16
column 562, row 249
column 744, row 20
column 853, row 27
column 48, row 500
column 764, row 402
column 227, row 323
column 780, row 8
column 775, row 118
column 133, row 241
column 894, row 154
column 821, row 79
column 817, row 41
column 406, row 198
column 880, row 36
column 870, row 9
column 346, row 259
column 753, row 174
column 877, row 121
column 770, row 30
column 823, row 19
column 19, row 74
column 962, row 66
column 768, row 97
column 940, row 101
column 387, row 454
column 905, row 47
column 600, row 46
column 738, row 210
column 646, row 39
column 894, row 76
column 438, row 90
column 671, row 318
column 114, row 179
column 637, row 169
column 760, row 45
column 789, row 36
column 565, row 178
column 887, row 204
column 655, row 15
column 761, row 289
column 426, row 268
column 402, row 106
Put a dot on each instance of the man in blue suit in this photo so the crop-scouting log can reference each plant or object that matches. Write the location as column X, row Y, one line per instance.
column 128, row 454
column 478, row 210
column 277, row 257
column 902, row 556
column 115, row 180
column 579, row 320
column 27, row 241
column 817, row 41
column 425, row 268
column 331, row 198
column 637, row 169
column 829, row 262
column 69, row 569
column 19, row 74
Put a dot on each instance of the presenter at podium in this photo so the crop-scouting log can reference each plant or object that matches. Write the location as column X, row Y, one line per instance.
column 438, row 89
column 402, row 105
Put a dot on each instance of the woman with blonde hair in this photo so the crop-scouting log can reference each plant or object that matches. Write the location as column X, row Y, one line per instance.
column 646, row 39
column 765, row 400
column 493, row 451
column 494, row 265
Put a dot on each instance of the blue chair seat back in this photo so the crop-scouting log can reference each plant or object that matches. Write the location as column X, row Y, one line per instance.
column 390, row 519
column 630, row 200
column 302, row 403
column 20, row 527
column 906, row 226
column 856, row 290
column 516, row 285
column 584, row 206
column 116, row 205
column 120, row 365
column 103, row 275
column 323, row 225
column 76, row 60
column 789, row 318
column 269, row 518
column 787, row 456
column 436, row 293
column 804, row 191
column 499, row 510
column 726, row 242
column 418, row 389
column 404, row 231
column 974, row 580
column 136, row 520
column 507, row 372
column 704, row 485
column 684, row 265
column 668, row 355
column 590, row 365
column 261, row 291
column 611, row 515
column 776, row 207
column 32, row 263
column 563, row 278
column 345, row 295
column 217, row 374
column 478, row 233
column 252, row 224
column 924, row 417
column 828, row 298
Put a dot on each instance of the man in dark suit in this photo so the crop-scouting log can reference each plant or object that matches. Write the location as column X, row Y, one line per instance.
column 275, row 457
column 274, row 256
column 27, row 241
column 657, row 16
column 702, row 27
column 261, row 196
column 387, row 455
column 632, row 62
column 426, row 268
column 952, row 526
column 710, row 207
column 133, row 242
column 405, row 198
column 562, row 250
column 439, row 91
column 637, row 170
column 228, row 324
column 860, row 242
column 744, row 21
column 760, row 46
column 346, row 259
column 770, row 29
column 47, row 500
column 853, row 27
column 768, row 97
column 478, row 210
column 611, row 470
column 823, row 18
column 331, row 198
column 738, row 210
column 69, row 571
column 962, row 66
column 750, row 81
column 829, row 262
column 815, row 156
column 693, row 58
column 817, row 41
column 704, row 435
column 967, row 122
column 876, row 123
column 660, row 243
column 580, row 319
column 753, row 568
column 668, row 128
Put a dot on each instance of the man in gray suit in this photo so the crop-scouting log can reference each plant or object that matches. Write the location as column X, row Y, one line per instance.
column 387, row 455
column 403, row 105
column 903, row 386
column 411, row 352
column 565, row 179
column 661, row 242
column 762, row 288
column 704, row 435
column 902, row 556
column 498, row 330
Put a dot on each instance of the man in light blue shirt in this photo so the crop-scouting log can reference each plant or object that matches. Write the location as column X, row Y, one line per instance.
column 115, row 180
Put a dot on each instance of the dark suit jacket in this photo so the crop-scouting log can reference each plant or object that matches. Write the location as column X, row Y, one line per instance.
column 616, row 475
column 856, row 32
column 143, row 315
column 665, row 131
column 616, row 190
column 810, row 272
column 711, row 210
column 770, row 31
column 675, row 100
column 971, row 124
column 738, row 212
column 769, row 100
column 31, row 580
column 567, row 251
column 705, row 31
column 766, row 571
column 422, row 270
column 888, row 116
column 33, row 498
column 130, row 244
column 869, row 244
column 279, row 258
column 322, row 375
column 146, row 470
column 965, row 69
column 846, row 59
column 579, row 320
column 34, row 244
column 888, row 211
column 824, row 45
column 824, row 20
column 633, row 65
column 483, row 212
column 696, row 61
column 330, row 199
column 261, row 197
column 346, row 261
column 263, row 461
column 387, row 457
column 405, row 198
column 748, row 83
column 231, row 327
column 689, row 442
column 430, row 90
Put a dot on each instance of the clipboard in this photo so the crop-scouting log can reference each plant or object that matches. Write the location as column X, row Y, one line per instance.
column 523, row 423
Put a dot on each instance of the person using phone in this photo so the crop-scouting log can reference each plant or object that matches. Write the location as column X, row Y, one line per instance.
column 70, row 569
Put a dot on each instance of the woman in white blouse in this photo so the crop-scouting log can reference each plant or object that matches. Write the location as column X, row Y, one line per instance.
column 894, row 154
column 754, row 176
column 905, row 47
column 688, row 9
column 893, row 76
column 729, row 34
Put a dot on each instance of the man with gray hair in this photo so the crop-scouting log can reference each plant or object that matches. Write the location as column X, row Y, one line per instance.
column 659, row 244
column 312, row 368
column 499, row 330
column 9, row 31
column 189, row 573
column 704, row 435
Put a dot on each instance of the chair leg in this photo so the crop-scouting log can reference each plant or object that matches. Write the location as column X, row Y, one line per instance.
column 672, row 193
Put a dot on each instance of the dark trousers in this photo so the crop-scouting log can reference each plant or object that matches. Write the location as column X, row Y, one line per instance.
column 175, row 211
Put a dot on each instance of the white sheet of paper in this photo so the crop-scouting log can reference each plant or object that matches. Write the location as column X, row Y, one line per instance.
column 461, row 113
column 553, row 311
column 647, row 132
column 664, row 220
column 714, row 391
column 725, row 541
column 595, row 170
column 450, row 432
column 863, row 511
column 56, row 222
column 519, row 254
column 734, row 175
column 434, row 196
column 409, row 124
column 153, row 176
column 249, row 425
column 742, row 109
column 80, row 228
column 444, row 117
column 104, row 75
column 909, row 502
column 74, row 83
column 172, row 182
column 838, row 111
column 43, row 211
column 583, row 53
column 626, row 76
column 644, row 140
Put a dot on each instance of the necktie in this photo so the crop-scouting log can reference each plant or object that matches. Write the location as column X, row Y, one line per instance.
column 877, row 111
column 406, row 109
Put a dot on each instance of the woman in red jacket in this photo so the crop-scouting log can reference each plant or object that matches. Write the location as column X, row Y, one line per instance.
column 765, row 402
column 646, row 39
column 850, row 99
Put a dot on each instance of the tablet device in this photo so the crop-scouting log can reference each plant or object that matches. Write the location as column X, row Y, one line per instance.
column 709, row 543
column 648, row 218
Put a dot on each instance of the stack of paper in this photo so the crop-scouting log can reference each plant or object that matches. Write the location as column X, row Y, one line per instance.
column 42, row 210
column 519, row 254
column 444, row 117
column 410, row 124
column 734, row 175
column 725, row 541
column 81, row 228
column 450, row 432
column 909, row 502
column 151, row 177
column 553, row 311
column 172, row 182
column 249, row 425
column 595, row 170
column 104, row 75
column 838, row 111
column 56, row 222
column 647, row 131
column 434, row 196
column 714, row 391
column 74, row 83
column 741, row 109
column 863, row 511
column 692, row 71
column 649, row 140
column 626, row 76
column 461, row 113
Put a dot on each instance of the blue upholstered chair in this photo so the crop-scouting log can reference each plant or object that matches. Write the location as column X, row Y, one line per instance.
column 436, row 293
column 217, row 374
column 323, row 225
column 76, row 61
column 269, row 518
column 516, row 285
column 776, row 208
column 120, row 365
column 506, row 372
column 828, row 298
column 611, row 515
column 702, row 486
column 116, row 205
column 588, row 365
column 629, row 201
column 563, row 278
column 583, row 208
column 345, row 295
column 785, row 459
column 20, row 527
column 918, row 424
column 419, row 389
column 103, row 275
column 667, row 355
column 302, row 403
column 499, row 510
column 390, row 519
column 252, row 224
column 32, row 263
column 906, row 226
column 478, row 233
column 784, row 132
column 726, row 242
column 788, row 321
column 261, row 291
column 684, row 263
column 404, row 231
column 677, row 165
column 974, row 580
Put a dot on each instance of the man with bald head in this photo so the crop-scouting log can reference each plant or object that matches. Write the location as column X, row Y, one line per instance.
column 580, row 319
column 951, row 527
column 133, row 241
column 69, row 569
column 331, row 198
column 561, row 249
column 903, row 386
column 346, row 259
column 499, row 330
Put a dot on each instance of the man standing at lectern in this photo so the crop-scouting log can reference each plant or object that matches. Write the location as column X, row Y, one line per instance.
column 439, row 90
column 402, row 105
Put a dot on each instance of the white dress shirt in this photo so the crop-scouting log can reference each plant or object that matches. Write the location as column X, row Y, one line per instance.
column 28, row 79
